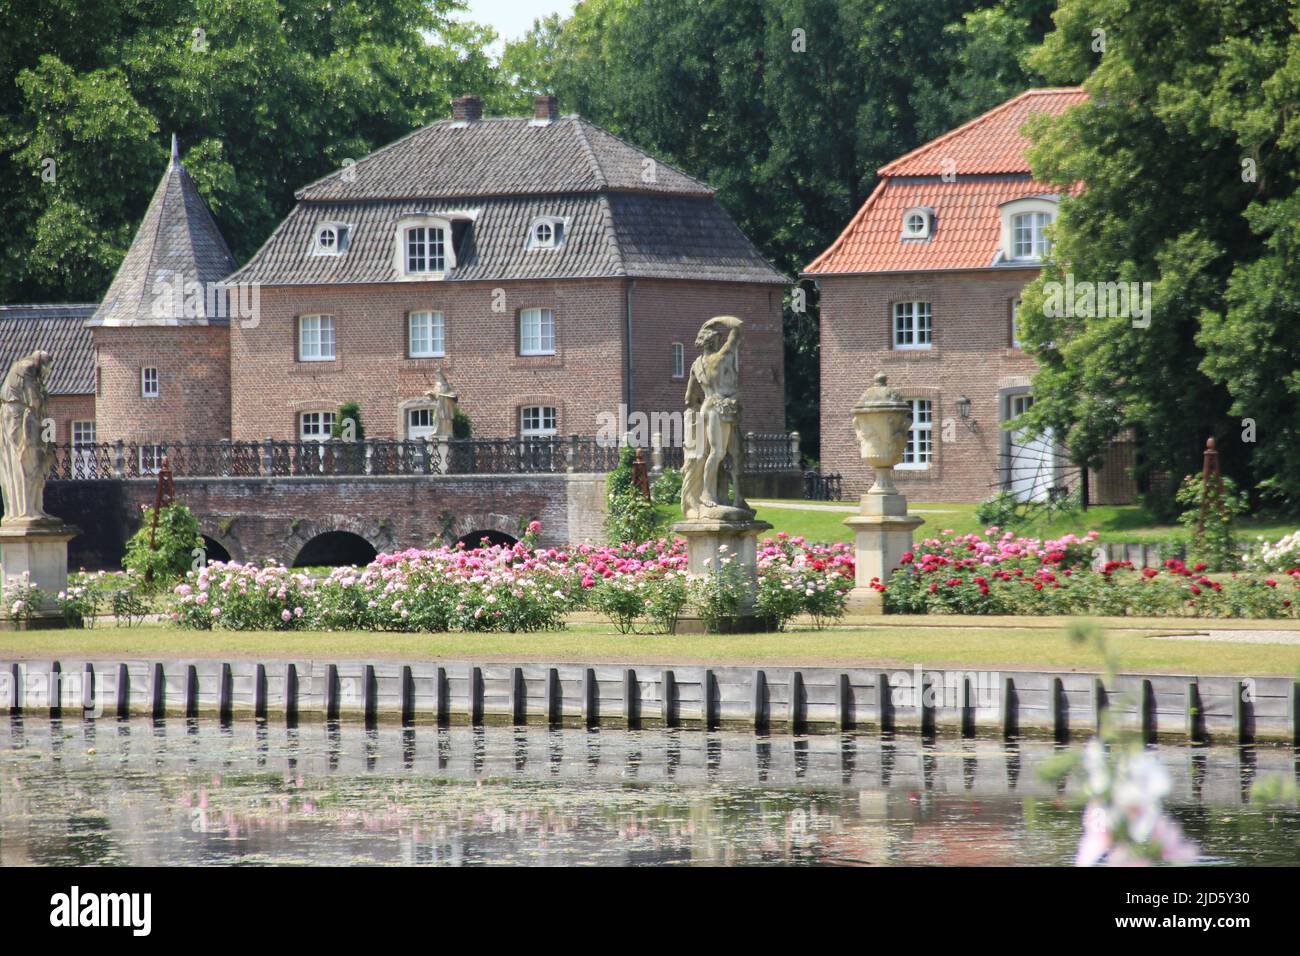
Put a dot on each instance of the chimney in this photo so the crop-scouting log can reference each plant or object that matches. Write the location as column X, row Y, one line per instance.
column 546, row 109
column 467, row 109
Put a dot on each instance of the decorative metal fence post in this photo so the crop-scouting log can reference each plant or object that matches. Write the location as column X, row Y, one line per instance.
column 794, row 451
column 268, row 459
column 119, row 459
column 571, row 453
column 656, row 455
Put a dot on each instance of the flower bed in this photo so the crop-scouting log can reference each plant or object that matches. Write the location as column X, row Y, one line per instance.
column 641, row 586
column 1002, row 574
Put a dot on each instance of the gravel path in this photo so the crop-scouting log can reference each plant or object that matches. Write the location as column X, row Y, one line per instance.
column 1236, row 637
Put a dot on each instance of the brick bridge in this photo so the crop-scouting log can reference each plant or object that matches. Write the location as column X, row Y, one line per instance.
column 312, row 503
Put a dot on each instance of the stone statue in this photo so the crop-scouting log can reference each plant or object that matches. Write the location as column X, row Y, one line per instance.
column 712, row 425
column 24, row 458
column 444, row 406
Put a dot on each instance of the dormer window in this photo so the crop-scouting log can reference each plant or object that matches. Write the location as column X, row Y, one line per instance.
column 425, row 243
column 331, row 239
column 916, row 222
column 1024, row 229
column 546, row 232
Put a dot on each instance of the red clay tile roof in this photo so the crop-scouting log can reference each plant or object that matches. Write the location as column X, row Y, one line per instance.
column 991, row 169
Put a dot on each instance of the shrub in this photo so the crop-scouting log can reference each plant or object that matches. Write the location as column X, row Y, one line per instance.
column 631, row 516
column 79, row 604
column 667, row 488
column 797, row 578
column 998, row 509
column 1216, row 545
column 347, row 423
column 176, row 540
column 1281, row 555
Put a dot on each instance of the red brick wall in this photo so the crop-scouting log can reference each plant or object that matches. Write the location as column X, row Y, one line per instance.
column 665, row 312
column 971, row 355
column 193, row 365
column 271, row 387
column 583, row 379
column 66, row 409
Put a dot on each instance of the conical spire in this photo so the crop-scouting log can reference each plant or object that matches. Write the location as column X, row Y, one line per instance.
column 175, row 259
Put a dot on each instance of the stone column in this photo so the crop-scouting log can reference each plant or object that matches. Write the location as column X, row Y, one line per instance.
column 882, row 528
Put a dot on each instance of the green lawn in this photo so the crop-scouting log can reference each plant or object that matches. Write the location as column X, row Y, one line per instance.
column 970, row 642
column 1117, row 523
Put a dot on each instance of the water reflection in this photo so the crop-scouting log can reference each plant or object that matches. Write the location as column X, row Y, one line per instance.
column 191, row 792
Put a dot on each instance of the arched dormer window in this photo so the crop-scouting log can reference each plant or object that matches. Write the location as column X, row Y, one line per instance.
column 1024, row 228
column 918, row 222
column 546, row 232
column 424, row 246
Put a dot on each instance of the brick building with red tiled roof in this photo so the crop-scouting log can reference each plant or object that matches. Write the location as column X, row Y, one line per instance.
column 922, row 285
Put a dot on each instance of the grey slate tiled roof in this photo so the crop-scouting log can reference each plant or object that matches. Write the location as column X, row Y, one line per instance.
column 501, row 156
column 57, row 329
column 177, row 242
column 506, row 173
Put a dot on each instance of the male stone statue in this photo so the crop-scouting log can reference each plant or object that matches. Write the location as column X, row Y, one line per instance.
column 24, row 458
column 712, row 424
column 444, row 406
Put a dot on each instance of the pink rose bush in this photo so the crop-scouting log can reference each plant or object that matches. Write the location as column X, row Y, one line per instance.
column 1003, row 574
column 637, row 586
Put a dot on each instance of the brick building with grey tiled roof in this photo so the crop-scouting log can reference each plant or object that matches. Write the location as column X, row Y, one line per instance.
column 553, row 271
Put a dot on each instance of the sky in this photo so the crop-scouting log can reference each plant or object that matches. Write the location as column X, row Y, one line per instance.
column 513, row 18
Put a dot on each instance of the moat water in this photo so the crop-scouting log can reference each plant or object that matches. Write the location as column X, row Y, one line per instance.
column 133, row 792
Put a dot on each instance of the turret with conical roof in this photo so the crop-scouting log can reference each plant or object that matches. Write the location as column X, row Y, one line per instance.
column 161, row 336
column 171, row 272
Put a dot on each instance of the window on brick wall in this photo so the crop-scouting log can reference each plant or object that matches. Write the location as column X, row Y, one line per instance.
column 426, row 249
column 315, row 338
column 83, row 453
column 1015, row 326
column 149, row 382
column 537, row 421
column 1029, row 235
column 426, row 334
column 315, row 426
column 919, row 451
column 151, row 458
column 83, row 433
column 913, row 325
column 679, row 360
column 536, row 332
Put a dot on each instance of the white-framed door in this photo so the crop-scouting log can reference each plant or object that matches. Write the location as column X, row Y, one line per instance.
column 1031, row 466
column 419, row 423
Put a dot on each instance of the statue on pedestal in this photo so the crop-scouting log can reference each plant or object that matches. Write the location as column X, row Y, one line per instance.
column 712, row 425
column 25, row 458
column 444, row 406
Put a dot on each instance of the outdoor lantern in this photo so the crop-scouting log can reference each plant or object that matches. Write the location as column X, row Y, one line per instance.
column 963, row 408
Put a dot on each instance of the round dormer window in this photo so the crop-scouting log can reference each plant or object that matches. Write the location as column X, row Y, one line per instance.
column 327, row 239
column 916, row 225
column 544, row 234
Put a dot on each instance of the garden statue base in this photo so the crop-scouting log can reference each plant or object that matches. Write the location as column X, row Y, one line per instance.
column 882, row 534
column 716, row 543
column 35, row 553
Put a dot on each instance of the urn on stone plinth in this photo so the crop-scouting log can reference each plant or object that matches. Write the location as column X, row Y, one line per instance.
column 881, row 419
column 882, row 527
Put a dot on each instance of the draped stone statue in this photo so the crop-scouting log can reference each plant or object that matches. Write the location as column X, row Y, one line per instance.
column 444, row 406
column 24, row 458
column 712, row 425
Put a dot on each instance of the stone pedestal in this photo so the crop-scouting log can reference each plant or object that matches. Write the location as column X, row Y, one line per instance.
column 882, row 534
column 40, row 550
column 708, row 541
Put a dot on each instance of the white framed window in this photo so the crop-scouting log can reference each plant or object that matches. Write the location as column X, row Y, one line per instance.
column 537, row 421
column 916, row 222
column 426, row 249
column 1015, row 327
column 151, row 458
column 149, row 383
column 315, row 426
column 83, row 433
column 679, row 360
column 315, row 338
column 419, row 422
column 330, row 239
column 546, row 232
column 426, row 335
column 1029, row 235
column 536, row 332
column 913, row 325
column 1024, row 228
column 919, row 451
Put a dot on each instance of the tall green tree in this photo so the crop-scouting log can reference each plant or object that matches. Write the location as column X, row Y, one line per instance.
column 1183, row 94
column 265, row 95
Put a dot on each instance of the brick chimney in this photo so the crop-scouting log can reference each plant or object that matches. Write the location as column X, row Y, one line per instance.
column 467, row 109
column 546, row 109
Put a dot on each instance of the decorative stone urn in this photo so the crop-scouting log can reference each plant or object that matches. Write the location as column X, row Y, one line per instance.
column 882, row 527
